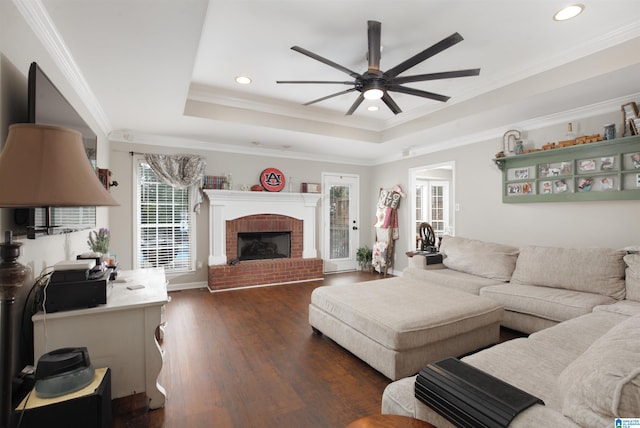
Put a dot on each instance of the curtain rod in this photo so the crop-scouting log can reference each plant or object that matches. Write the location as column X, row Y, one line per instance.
column 131, row 153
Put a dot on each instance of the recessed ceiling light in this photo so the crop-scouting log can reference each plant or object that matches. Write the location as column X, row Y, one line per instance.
column 568, row 12
column 243, row 80
column 372, row 108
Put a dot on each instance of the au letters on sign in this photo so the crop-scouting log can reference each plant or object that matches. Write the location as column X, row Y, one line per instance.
column 272, row 179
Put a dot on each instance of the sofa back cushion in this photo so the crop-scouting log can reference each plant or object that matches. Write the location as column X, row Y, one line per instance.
column 592, row 270
column 486, row 259
column 604, row 382
column 632, row 277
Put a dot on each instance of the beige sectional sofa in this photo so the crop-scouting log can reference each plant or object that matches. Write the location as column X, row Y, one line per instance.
column 537, row 286
column 583, row 356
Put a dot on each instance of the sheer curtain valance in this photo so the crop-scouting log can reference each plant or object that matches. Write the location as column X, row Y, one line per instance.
column 180, row 171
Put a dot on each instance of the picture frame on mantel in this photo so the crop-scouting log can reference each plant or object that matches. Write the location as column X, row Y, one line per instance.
column 310, row 187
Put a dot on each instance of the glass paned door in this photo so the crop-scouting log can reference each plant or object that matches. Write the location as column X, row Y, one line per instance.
column 341, row 222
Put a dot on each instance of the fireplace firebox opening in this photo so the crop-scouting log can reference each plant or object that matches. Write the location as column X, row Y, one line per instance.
column 264, row 245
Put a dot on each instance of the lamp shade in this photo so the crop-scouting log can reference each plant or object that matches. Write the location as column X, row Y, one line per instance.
column 47, row 166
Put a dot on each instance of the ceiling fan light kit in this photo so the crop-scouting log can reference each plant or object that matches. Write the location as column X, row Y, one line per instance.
column 373, row 94
column 376, row 84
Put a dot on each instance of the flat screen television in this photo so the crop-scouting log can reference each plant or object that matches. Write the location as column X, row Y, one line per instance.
column 48, row 106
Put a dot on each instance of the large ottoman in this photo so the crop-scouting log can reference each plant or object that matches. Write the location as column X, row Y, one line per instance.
column 399, row 325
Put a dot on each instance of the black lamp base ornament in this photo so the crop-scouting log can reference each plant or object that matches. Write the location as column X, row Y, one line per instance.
column 12, row 275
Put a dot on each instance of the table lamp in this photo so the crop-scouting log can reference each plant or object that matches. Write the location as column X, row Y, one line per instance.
column 40, row 166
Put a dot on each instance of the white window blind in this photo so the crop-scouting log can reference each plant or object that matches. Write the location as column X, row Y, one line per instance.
column 164, row 237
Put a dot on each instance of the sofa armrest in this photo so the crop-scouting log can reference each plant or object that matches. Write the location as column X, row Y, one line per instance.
column 426, row 261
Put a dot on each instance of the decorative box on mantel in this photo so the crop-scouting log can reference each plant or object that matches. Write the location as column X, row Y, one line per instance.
column 231, row 212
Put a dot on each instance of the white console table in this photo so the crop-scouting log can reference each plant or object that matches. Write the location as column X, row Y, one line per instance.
column 119, row 335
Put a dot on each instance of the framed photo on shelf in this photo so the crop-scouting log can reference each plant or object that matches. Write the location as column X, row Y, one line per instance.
column 585, row 184
column 543, row 170
column 629, row 117
column 560, row 186
column 586, row 165
column 630, row 110
column 606, row 183
column 607, row 163
column 521, row 174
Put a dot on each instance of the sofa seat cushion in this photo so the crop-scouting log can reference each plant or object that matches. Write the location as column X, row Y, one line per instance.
column 591, row 270
column 451, row 278
column 487, row 259
column 579, row 333
column 402, row 314
column 632, row 277
column 604, row 382
column 555, row 304
column 623, row 307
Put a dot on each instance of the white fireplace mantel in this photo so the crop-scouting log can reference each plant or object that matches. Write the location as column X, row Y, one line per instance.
column 229, row 205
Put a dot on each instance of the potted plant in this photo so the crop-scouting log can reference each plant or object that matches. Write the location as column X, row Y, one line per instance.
column 99, row 241
column 364, row 257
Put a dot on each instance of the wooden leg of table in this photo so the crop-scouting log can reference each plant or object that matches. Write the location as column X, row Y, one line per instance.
column 154, row 358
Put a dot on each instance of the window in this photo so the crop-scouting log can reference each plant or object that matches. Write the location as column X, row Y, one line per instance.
column 432, row 202
column 163, row 223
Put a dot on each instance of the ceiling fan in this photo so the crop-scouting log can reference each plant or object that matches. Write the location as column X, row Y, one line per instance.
column 375, row 83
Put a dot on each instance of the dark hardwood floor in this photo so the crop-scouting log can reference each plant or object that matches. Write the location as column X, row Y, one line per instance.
column 248, row 358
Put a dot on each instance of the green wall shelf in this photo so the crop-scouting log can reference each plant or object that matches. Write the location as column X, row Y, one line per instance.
column 606, row 170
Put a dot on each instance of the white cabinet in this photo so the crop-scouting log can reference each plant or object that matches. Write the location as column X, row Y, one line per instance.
column 120, row 335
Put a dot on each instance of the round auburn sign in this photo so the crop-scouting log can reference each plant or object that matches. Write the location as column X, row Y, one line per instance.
column 272, row 179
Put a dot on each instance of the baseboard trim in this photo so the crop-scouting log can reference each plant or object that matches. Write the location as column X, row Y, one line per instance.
column 264, row 285
column 186, row 286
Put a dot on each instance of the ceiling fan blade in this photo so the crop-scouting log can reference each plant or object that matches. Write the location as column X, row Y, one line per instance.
column 386, row 98
column 330, row 96
column 355, row 105
column 437, row 76
column 316, row 81
column 373, row 36
column 325, row 61
column 418, row 93
column 425, row 54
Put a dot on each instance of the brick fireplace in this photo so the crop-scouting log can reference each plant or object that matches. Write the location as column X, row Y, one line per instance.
column 232, row 212
column 264, row 223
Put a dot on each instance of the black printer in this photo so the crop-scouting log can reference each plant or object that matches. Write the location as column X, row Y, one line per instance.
column 76, row 285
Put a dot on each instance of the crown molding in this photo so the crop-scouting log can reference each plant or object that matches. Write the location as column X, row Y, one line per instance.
column 38, row 19
column 572, row 115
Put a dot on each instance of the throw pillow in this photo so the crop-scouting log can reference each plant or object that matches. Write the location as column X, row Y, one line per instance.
column 604, row 382
column 592, row 270
column 486, row 259
column 633, row 276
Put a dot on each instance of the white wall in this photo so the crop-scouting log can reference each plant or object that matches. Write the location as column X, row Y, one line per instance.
column 482, row 214
column 245, row 169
